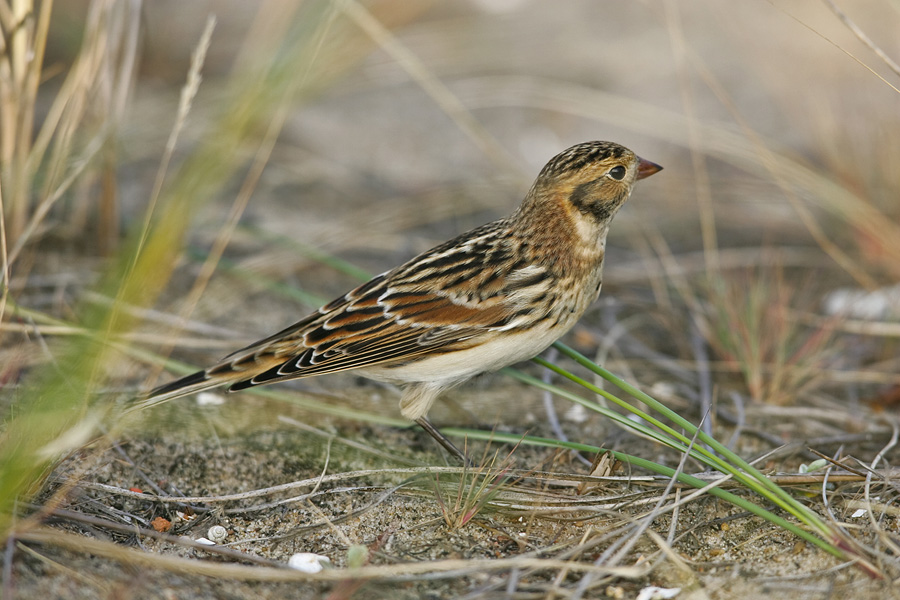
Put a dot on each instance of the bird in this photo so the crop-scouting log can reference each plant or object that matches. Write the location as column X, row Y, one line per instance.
column 488, row 298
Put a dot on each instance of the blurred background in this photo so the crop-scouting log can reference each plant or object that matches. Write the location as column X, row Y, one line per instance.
column 220, row 168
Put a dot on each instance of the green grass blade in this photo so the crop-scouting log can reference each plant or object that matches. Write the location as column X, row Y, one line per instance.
column 776, row 493
column 656, row 468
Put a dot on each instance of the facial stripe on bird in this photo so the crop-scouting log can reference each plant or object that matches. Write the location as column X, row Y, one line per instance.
column 578, row 156
column 584, row 198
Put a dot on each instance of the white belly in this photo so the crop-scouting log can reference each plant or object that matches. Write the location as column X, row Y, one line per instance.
column 506, row 349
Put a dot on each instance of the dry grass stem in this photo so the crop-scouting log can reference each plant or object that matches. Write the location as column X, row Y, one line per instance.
column 401, row 572
column 861, row 62
column 433, row 86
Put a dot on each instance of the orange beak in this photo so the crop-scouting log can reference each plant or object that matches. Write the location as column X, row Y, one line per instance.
column 646, row 168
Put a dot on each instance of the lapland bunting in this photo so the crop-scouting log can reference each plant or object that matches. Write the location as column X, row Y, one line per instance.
column 496, row 295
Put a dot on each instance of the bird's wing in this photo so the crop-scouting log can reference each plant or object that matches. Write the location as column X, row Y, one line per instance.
column 444, row 300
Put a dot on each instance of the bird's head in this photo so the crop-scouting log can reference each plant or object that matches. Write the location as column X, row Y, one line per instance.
column 591, row 180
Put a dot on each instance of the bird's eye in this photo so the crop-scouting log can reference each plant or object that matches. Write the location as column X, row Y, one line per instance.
column 617, row 173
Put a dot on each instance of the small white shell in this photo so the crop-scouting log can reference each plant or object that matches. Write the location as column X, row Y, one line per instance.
column 657, row 593
column 217, row 534
column 880, row 304
column 307, row 562
column 210, row 399
column 576, row 414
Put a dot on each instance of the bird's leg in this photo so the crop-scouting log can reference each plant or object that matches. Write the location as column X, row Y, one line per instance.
column 449, row 446
column 414, row 404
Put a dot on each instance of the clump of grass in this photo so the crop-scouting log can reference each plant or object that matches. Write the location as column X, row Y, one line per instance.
column 54, row 411
column 474, row 489
column 754, row 327
column 70, row 146
column 674, row 431
column 58, row 406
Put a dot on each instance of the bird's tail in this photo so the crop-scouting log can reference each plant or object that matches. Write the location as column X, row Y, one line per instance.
column 236, row 371
column 190, row 384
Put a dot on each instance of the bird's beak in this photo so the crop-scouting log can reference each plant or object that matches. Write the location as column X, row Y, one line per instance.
column 646, row 168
